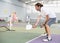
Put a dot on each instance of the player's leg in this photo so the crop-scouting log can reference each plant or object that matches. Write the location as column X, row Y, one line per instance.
column 49, row 23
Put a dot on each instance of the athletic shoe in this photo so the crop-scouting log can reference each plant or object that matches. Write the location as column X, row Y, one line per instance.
column 47, row 39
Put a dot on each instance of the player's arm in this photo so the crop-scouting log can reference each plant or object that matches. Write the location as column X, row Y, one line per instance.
column 46, row 19
column 37, row 21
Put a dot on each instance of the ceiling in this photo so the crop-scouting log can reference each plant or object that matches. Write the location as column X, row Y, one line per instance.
column 36, row 0
column 31, row 2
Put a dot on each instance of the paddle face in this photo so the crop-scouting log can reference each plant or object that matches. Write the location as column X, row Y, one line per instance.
column 28, row 27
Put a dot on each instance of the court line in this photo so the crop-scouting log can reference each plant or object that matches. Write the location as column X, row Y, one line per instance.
column 33, row 39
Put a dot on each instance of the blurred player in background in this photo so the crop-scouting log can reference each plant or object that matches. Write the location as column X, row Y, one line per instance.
column 12, row 18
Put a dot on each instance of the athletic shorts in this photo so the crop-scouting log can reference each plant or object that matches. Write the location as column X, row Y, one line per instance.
column 51, row 21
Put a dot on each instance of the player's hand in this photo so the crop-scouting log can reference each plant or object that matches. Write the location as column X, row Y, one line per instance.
column 41, row 26
column 34, row 26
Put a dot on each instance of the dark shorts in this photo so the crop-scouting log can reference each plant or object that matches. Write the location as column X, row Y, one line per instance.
column 51, row 21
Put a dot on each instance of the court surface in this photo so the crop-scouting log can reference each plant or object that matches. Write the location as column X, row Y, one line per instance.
column 21, row 35
column 55, row 39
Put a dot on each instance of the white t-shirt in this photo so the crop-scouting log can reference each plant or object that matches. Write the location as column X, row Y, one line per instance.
column 10, row 18
column 44, row 11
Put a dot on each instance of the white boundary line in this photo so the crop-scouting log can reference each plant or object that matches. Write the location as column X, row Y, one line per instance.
column 33, row 39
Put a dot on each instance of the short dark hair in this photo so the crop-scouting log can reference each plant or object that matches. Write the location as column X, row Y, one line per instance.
column 39, row 4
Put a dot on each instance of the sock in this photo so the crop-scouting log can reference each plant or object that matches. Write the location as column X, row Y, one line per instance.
column 49, row 37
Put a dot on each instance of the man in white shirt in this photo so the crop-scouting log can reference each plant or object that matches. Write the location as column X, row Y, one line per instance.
column 49, row 17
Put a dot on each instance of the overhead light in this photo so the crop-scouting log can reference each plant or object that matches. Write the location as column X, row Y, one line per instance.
column 32, row 0
column 27, row 1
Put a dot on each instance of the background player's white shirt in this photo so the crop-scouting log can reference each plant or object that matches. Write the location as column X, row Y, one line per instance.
column 9, row 18
column 44, row 11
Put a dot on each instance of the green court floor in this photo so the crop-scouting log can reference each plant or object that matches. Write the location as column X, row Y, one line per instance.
column 21, row 35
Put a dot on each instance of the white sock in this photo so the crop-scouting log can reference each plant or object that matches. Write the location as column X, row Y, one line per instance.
column 49, row 37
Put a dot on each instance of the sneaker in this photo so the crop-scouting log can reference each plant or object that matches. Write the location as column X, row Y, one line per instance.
column 45, row 40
